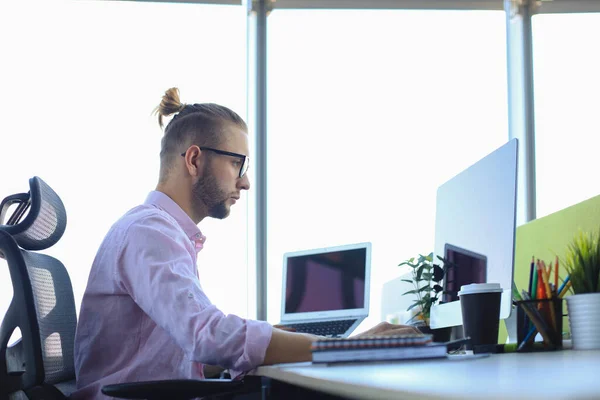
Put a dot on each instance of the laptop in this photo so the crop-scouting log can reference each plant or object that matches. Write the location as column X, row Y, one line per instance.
column 326, row 290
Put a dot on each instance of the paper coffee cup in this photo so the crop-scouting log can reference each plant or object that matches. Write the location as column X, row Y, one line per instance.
column 480, row 306
column 474, row 288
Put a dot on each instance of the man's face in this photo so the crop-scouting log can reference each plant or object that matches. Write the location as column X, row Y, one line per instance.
column 220, row 186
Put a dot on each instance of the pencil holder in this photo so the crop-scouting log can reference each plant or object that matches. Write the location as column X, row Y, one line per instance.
column 542, row 316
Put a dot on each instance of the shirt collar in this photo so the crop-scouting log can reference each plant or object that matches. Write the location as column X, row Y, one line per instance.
column 164, row 202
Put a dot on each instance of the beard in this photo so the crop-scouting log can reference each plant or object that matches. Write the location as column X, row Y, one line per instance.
column 207, row 191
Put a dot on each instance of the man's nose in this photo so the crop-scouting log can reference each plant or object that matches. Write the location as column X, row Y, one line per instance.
column 244, row 183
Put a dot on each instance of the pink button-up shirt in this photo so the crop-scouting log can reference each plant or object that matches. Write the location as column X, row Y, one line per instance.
column 144, row 315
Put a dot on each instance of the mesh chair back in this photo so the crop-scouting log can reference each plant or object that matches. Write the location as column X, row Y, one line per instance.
column 43, row 306
column 21, row 366
column 46, row 221
column 55, row 309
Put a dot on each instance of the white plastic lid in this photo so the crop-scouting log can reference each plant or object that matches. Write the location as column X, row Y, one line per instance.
column 480, row 288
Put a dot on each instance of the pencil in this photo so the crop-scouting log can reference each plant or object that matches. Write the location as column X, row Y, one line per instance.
column 556, row 274
column 539, row 324
column 516, row 294
column 567, row 278
column 531, row 333
column 565, row 289
column 534, row 287
column 531, row 282
column 546, row 277
column 541, row 288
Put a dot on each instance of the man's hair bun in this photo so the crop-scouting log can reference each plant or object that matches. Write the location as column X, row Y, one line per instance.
column 170, row 104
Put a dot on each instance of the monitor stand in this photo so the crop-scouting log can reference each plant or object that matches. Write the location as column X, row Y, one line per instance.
column 457, row 333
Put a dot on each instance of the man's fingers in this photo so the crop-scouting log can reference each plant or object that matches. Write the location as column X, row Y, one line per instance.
column 405, row 330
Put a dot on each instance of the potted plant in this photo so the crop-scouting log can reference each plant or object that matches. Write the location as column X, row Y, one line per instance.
column 582, row 262
column 426, row 277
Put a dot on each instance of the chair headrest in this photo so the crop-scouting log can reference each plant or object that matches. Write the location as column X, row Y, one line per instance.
column 45, row 222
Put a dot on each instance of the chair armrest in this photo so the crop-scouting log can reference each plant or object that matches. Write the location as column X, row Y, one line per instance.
column 172, row 389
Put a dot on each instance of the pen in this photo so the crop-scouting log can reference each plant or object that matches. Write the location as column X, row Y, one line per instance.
column 506, row 348
column 458, row 343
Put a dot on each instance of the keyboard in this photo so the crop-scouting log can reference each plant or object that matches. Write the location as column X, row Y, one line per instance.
column 324, row 328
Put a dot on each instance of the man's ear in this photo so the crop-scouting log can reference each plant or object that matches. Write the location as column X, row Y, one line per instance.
column 194, row 161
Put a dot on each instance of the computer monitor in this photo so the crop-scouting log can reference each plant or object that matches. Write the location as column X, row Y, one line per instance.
column 475, row 229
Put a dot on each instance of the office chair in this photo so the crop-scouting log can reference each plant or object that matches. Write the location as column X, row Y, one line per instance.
column 41, row 364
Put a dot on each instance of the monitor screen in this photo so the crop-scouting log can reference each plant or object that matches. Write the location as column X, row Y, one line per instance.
column 468, row 267
column 475, row 230
column 326, row 281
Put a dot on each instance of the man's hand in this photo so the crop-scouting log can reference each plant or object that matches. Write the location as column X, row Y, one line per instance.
column 387, row 329
column 286, row 346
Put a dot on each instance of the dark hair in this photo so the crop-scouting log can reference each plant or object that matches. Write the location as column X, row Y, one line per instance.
column 200, row 124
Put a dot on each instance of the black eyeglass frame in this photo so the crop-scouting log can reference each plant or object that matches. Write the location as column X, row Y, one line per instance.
column 245, row 159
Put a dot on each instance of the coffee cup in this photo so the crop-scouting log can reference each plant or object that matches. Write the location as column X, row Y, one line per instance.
column 480, row 306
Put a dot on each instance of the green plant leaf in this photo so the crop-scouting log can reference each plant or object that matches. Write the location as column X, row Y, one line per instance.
column 407, row 262
column 407, row 280
column 409, row 292
column 582, row 261
column 412, row 306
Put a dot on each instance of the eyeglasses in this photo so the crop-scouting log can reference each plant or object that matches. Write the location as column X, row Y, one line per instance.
column 245, row 159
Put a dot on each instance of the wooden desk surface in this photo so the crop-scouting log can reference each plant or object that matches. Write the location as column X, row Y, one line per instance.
column 566, row 374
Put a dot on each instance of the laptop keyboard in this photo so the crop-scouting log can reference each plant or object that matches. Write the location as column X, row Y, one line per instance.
column 324, row 328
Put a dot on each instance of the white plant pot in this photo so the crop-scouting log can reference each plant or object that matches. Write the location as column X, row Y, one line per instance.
column 584, row 320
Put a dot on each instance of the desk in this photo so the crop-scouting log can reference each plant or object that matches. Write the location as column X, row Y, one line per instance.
column 566, row 374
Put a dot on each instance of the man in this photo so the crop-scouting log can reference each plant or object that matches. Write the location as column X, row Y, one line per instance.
column 144, row 315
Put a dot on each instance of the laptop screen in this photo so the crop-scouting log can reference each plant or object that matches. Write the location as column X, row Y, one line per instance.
column 326, row 281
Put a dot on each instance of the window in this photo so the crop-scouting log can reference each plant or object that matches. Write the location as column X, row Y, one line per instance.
column 567, row 87
column 80, row 81
column 369, row 112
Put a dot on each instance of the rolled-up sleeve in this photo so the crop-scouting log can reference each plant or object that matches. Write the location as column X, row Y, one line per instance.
column 157, row 269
